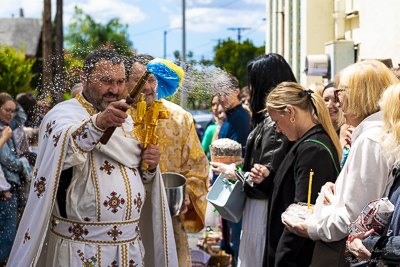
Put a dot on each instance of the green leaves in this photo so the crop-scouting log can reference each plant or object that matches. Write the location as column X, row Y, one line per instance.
column 15, row 70
column 234, row 57
column 85, row 35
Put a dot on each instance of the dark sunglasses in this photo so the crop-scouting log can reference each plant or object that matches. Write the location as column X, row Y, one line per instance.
column 336, row 94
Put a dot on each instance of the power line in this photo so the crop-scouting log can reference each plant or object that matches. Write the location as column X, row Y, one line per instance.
column 254, row 29
column 199, row 46
column 239, row 29
column 151, row 30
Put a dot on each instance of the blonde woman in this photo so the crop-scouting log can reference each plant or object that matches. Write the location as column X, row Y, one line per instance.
column 264, row 147
column 365, row 174
column 302, row 116
column 362, row 246
column 316, row 88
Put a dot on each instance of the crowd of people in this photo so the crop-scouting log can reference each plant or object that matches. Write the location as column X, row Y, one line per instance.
column 98, row 188
column 339, row 132
column 19, row 121
column 92, row 203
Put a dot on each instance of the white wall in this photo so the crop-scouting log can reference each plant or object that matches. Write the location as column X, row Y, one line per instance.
column 375, row 30
column 317, row 28
column 379, row 30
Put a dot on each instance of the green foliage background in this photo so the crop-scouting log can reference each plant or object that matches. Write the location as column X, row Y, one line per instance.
column 85, row 35
column 233, row 57
column 72, row 67
column 15, row 70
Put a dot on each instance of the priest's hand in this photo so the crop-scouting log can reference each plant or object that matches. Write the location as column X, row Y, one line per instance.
column 151, row 156
column 186, row 203
column 113, row 116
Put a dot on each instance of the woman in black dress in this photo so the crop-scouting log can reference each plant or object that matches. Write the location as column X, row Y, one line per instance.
column 303, row 117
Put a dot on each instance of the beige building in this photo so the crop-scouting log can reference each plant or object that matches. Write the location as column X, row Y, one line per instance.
column 346, row 30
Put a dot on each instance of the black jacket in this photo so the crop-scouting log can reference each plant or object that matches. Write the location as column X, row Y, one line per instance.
column 267, row 147
column 282, row 247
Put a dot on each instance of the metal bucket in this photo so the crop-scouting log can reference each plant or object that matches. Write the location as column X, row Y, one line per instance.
column 175, row 185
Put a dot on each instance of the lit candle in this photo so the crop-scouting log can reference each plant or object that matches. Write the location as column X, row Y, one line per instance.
column 309, row 189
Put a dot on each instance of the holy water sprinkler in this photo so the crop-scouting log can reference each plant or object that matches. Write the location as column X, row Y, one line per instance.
column 169, row 79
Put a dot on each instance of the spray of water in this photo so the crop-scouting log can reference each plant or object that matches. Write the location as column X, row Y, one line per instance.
column 200, row 84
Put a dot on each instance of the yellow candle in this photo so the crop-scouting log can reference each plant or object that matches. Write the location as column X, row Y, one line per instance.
column 309, row 189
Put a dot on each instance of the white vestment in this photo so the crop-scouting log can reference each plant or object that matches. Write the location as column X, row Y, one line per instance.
column 103, row 200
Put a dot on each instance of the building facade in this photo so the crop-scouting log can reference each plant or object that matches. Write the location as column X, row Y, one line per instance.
column 299, row 28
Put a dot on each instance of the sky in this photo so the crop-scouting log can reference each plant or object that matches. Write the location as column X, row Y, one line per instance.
column 207, row 21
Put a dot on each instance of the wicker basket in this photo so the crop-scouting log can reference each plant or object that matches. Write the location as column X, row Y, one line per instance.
column 223, row 260
column 210, row 244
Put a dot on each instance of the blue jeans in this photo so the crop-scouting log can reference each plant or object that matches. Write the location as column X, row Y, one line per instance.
column 8, row 225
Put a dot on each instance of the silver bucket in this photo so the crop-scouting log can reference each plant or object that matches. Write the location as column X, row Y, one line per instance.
column 175, row 185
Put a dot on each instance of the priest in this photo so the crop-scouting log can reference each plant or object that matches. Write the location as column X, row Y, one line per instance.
column 86, row 199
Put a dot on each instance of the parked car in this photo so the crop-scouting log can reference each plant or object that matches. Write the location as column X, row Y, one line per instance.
column 202, row 118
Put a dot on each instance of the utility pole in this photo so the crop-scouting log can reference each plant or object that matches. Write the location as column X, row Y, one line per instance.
column 47, row 49
column 239, row 31
column 59, row 93
column 165, row 44
column 165, row 40
column 183, row 99
column 183, row 31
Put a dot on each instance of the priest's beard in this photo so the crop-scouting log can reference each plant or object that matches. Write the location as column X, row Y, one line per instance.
column 93, row 96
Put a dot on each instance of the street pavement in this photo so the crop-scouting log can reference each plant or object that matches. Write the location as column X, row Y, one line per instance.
column 193, row 237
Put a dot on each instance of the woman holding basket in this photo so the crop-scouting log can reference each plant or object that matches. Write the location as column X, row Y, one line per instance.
column 366, row 174
column 303, row 117
column 264, row 146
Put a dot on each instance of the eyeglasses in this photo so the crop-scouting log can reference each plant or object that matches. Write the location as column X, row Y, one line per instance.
column 336, row 94
column 151, row 79
column 8, row 111
column 223, row 93
column 245, row 101
column 108, row 81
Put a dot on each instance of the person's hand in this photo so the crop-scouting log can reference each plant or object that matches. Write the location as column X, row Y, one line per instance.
column 219, row 168
column 356, row 247
column 5, row 195
column 186, row 203
column 258, row 173
column 6, row 133
column 299, row 229
column 342, row 135
column 331, row 188
column 151, row 155
column 349, row 133
column 113, row 116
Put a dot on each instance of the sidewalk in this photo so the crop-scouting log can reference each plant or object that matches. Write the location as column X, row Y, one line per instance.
column 193, row 237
